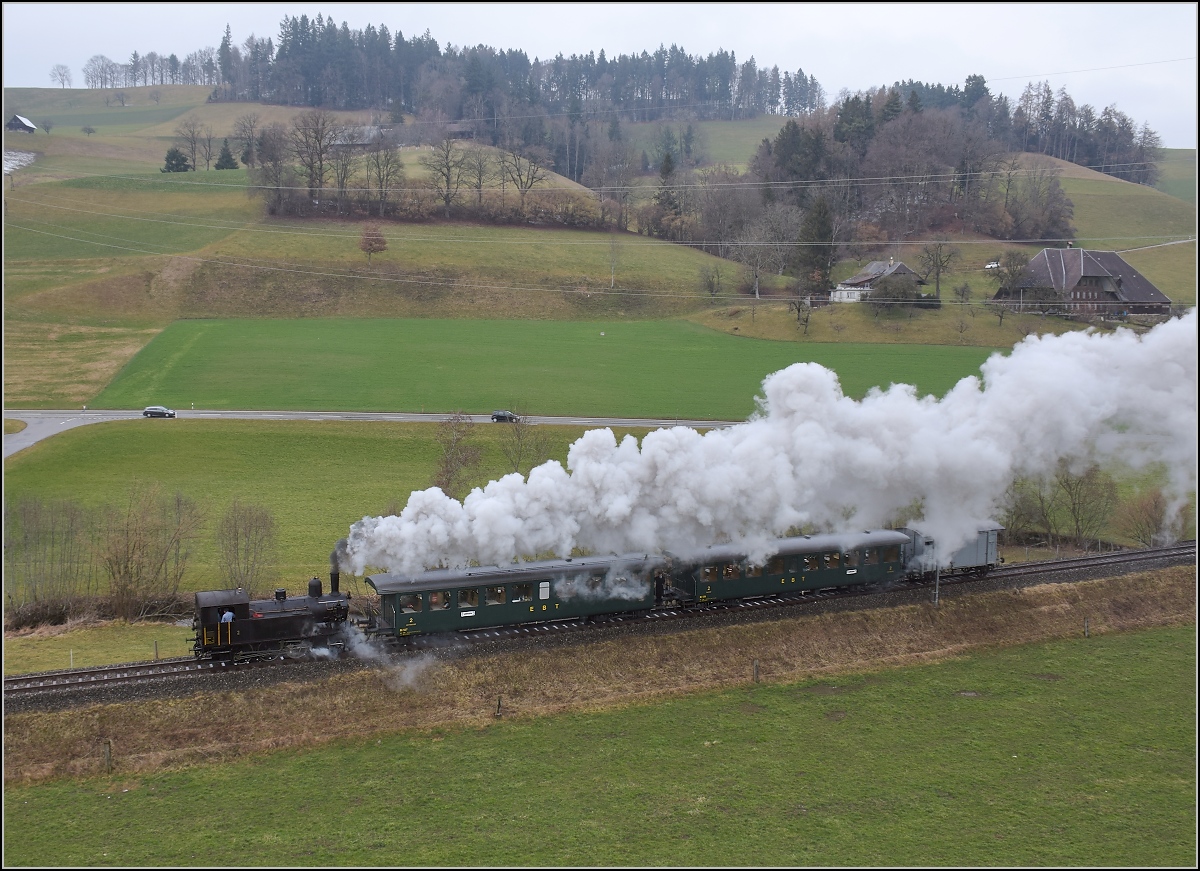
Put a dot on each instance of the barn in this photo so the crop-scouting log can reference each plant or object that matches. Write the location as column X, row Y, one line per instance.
column 21, row 124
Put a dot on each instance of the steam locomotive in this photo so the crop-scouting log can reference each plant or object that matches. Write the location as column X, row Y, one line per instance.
column 447, row 600
column 229, row 625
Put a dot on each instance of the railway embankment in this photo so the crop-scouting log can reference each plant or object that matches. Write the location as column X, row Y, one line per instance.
column 468, row 688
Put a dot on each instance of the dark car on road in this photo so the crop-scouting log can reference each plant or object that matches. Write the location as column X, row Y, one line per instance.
column 158, row 411
column 504, row 417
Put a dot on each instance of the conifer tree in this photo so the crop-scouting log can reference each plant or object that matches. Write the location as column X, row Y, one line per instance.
column 226, row 160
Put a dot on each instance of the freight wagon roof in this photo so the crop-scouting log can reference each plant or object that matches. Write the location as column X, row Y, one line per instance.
column 824, row 543
column 436, row 579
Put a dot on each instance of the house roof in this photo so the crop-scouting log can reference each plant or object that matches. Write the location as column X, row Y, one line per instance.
column 1062, row 269
column 24, row 121
column 876, row 270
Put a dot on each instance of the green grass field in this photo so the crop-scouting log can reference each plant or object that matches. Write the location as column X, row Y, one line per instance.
column 315, row 478
column 1078, row 752
column 609, row 369
column 1178, row 174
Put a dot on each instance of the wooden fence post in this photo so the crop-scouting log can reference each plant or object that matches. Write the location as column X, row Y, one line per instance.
column 756, row 671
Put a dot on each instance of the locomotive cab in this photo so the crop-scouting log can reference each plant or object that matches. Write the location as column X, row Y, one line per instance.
column 211, row 605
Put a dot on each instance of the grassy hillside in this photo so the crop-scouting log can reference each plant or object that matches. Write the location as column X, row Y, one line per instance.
column 102, row 250
column 1178, row 174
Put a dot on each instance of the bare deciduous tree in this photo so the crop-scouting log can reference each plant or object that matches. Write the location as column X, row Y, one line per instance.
column 1143, row 516
column 61, row 73
column 1019, row 512
column 523, row 444
column 313, row 136
column 246, row 542
column 245, row 133
column 936, row 258
column 48, row 561
column 479, row 169
column 343, row 162
column 459, row 457
column 710, row 278
column 1088, row 498
column 527, row 170
column 204, row 142
column 273, row 175
column 143, row 547
column 754, row 250
column 1042, row 497
column 385, row 171
column 190, row 130
column 447, row 167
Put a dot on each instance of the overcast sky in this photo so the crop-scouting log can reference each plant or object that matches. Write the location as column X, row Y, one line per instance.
column 1140, row 57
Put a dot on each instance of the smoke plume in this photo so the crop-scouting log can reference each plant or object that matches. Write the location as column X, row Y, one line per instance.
column 811, row 455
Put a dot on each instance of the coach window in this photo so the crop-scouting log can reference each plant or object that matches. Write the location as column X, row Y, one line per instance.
column 730, row 572
column 870, row 556
column 544, row 590
column 812, row 562
column 495, row 595
column 522, row 592
column 708, row 574
column 775, row 566
column 833, row 560
column 411, row 603
column 851, row 559
column 891, row 553
column 468, row 598
column 752, row 570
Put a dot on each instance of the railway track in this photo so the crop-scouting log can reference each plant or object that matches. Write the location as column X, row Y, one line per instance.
column 122, row 674
column 69, row 681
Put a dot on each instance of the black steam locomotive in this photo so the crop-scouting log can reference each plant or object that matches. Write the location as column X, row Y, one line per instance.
column 229, row 625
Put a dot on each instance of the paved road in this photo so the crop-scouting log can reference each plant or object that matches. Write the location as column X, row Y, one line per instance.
column 44, row 424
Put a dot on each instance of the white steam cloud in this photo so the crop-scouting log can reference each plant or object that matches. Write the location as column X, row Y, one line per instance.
column 399, row 674
column 811, row 455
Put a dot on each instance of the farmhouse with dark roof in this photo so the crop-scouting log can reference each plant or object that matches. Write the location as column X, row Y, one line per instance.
column 853, row 288
column 1085, row 282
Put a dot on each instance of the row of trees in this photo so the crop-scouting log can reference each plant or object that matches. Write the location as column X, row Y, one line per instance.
column 1076, row 506
column 315, row 62
column 60, row 557
column 198, row 68
column 318, row 164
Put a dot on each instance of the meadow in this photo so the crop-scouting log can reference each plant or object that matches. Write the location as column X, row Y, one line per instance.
column 1064, row 752
column 642, row 369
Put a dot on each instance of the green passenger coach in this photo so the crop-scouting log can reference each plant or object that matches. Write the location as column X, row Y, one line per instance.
column 446, row 600
column 800, row 564
column 449, row 600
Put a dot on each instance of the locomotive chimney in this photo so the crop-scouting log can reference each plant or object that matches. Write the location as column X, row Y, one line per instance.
column 280, row 594
column 335, row 565
column 314, row 588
